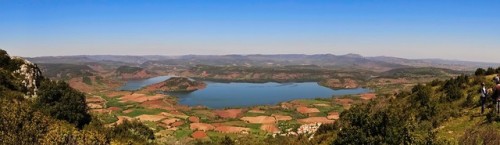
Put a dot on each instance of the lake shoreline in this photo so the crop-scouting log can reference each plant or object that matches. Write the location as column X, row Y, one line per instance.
column 247, row 94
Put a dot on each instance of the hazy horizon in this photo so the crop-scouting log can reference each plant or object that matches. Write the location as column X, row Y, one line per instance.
column 451, row 30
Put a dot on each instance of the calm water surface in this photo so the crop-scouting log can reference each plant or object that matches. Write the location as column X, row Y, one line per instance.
column 133, row 85
column 221, row 95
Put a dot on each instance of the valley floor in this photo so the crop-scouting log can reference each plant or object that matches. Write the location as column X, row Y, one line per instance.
column 170, row 120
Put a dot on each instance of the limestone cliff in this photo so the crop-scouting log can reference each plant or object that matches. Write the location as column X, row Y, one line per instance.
column 21, row 74
column 30, row 76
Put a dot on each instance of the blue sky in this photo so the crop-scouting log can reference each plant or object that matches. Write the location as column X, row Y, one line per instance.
column 449, row 29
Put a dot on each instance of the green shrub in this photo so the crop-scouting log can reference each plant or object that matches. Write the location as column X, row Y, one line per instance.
column 480, row 72
column 59, row 100
column 87, row 80
column 132, row 131
column 485, row 136
column 490, row 71
column 20, row 124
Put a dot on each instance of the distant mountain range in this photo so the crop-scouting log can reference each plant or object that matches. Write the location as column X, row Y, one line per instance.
column 381, row 63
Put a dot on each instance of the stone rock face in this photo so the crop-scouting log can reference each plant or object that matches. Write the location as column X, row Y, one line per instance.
column 29, row 75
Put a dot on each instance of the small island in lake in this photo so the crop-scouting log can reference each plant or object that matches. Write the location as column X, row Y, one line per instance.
column 176, row 84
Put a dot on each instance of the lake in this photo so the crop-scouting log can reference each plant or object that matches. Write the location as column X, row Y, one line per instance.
column 133, row 85
column 220, row 95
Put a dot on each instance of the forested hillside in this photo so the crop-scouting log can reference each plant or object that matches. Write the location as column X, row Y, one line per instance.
column 36, row 110
column 438, row 112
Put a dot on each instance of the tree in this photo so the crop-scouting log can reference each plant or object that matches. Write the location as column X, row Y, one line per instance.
column 132, row 131
column 454, row 93
column 87, row 80
column 490, row 71
column 480, row 72
column 227, row 141
column 27, row 121
column 59, row 100
column 63, row 133
column 369, row 124
column 4, row 58
column 20, row 124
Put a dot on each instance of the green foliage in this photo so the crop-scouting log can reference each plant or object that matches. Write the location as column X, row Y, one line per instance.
column 470, row 102
column 20, row 124
column 132, row 131
column 227, row 141
column 141, row 111
column 364, row 125
column 183, row 133
column 410, row 118
column 59, row 100
column 490, row 71
column 7, row 63
column 63, row 133
column 453, row 88
column 418, row 72
column 4, row 58
column 422, row 99
column 325, row 128
column 436, row 82
column 288, row 140
column 98, row 80
column 284, row 125
column 486, row 136
column 480, row 72
column 87, row 80
column 493, row 116
column 6, row 81
column 33, row 121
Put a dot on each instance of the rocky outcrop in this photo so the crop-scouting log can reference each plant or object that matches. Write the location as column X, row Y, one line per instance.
column 176, row 84
column 28, row 75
